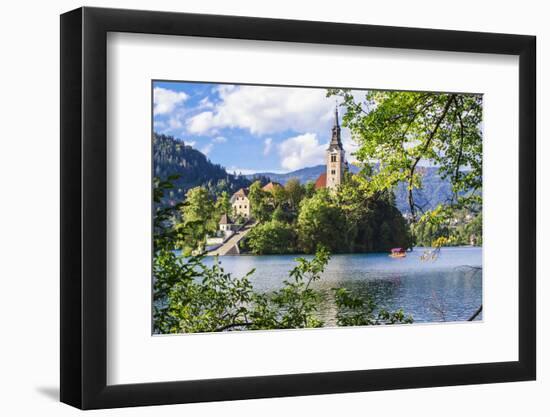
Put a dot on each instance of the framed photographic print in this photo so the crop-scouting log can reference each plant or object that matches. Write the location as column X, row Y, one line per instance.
column 257, row 207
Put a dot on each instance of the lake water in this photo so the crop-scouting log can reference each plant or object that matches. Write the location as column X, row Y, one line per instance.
column 445, row 289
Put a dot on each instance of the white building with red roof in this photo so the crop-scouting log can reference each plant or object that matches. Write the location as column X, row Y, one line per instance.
column 240, row 203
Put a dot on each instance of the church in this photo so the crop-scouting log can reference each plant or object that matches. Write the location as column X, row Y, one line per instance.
column 336, row 167
column 335, row 160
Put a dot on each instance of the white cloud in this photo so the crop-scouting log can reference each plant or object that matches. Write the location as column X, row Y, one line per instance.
column 264, row 110
column 201, row 123
column 220, row 139
column 175, row 122
column 205, row 103
column 301, row 151
column 268, row 144
column 207, row 148
column 165, row 100
column 191, row 143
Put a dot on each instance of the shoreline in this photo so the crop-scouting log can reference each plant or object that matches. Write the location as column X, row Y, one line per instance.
column 248, row 254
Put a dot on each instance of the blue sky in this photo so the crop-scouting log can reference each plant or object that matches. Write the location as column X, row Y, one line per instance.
column 249, row 128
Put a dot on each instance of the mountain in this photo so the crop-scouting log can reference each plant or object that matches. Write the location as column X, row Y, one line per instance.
column 435, row 190
column 172, row 156
column 303, row 175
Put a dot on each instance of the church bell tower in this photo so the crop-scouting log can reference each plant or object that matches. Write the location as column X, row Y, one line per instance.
column 335, row 157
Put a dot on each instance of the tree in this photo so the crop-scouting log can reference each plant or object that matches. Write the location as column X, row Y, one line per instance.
column 198, row 218
column 191, row 298
column 309, row 189
column 372, row 222
column 260, row 202
column 164, row 234
column 273, row 237
column 399, row 130
column 223, row 204
column 279, row 215
column 295, row 193
column 319, row 223
column 279, row 196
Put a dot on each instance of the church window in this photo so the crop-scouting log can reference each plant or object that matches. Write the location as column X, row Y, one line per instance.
column 333, row 172
column 332, row 158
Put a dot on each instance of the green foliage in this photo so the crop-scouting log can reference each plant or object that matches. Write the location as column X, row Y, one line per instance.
column 449, row 228
column 164, row 234
column 296, row 299
column 351, row 220
column 319, row 223
column 295, row 193
column 373, row 223
column 357, row 311
column 279, row 215
column 271, row 237
column 435, row 190
column 399, row 130
column 309, row 189
column 279, row 196
column 261, row 202
column 199, row 219
column 223, row 204
column 190, row 297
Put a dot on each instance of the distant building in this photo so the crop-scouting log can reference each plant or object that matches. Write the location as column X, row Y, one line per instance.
column 225, row 224
column 240, row 203
column 225, row 232
column 335, row 160
column 270, row 186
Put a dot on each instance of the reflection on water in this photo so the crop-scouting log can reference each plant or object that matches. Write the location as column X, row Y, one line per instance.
column 447, row 289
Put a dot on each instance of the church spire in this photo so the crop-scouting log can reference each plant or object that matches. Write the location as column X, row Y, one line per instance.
column 336, row 140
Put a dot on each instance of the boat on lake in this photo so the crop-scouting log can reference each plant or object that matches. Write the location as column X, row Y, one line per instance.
column 398, row 253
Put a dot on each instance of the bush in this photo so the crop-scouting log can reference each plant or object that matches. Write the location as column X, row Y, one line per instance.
column 190, row 297
column 321, row 222
column 273, row 237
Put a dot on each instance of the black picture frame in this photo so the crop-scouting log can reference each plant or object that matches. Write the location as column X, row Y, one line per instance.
column 84, row 207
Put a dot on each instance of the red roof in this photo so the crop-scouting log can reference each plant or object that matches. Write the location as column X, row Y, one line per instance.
column 321, row 181
column 242, row 192
column 270, row 186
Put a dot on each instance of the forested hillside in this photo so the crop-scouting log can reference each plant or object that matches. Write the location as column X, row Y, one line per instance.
column 172, row 156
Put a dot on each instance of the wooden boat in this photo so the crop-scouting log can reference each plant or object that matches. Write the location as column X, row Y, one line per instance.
column 398, row 253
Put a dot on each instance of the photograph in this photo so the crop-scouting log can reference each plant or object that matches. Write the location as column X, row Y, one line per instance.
column 289, row 207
